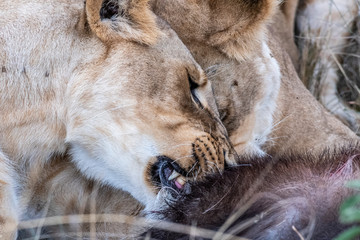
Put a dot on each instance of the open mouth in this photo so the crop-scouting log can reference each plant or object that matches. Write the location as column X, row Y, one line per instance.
column 167, row 173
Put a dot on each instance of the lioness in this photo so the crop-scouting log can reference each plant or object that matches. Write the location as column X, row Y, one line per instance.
column 244, row 77
column 112, row 84
column 238, row 60
column 300, row 123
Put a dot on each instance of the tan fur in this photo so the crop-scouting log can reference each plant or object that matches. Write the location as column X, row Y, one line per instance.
column 301, row 123
column 237, row 33
column 285, row 24
column 8, row 202
column 60, row 189
column 238, row 62
column 112, row 91
column 289, row 8
column 145, row 30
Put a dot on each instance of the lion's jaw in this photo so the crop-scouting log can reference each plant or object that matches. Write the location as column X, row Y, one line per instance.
column 116, row 166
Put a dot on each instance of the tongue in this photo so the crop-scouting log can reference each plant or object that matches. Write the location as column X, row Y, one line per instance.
column 178, row 185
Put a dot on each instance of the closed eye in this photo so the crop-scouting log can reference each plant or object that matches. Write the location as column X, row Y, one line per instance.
column 193, row 90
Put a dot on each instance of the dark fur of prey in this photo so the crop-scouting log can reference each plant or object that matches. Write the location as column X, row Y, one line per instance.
column 275, row 198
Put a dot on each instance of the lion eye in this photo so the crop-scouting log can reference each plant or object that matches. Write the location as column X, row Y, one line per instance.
column 193, row 87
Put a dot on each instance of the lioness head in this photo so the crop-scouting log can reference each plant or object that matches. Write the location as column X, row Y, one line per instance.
column 142, row 115
column 260, row 97
column 228, row 39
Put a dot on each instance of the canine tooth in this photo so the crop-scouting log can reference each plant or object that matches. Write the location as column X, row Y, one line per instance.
column 174, row 175
column 181, row 181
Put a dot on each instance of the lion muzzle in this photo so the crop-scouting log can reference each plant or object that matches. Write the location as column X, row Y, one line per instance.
column 208, row 157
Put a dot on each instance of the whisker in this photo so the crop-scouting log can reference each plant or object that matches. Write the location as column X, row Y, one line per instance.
column 212, row 169
column 215, row 166
column 197, row 173
column 187, row 156
column 187, row 174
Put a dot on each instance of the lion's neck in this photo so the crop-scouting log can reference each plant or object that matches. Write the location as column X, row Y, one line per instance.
column 34, row 75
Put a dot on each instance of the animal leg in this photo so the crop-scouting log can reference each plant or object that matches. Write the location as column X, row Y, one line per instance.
column 324, row 27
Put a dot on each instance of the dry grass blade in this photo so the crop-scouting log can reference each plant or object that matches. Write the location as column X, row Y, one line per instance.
column 249, row 199
column 298, row 233
column 330, row 60
column 136, row 221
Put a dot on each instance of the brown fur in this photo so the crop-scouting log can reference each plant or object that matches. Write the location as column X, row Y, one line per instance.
column 289, row 8
column 285, row 29
column 52, row 194
column 238, row 33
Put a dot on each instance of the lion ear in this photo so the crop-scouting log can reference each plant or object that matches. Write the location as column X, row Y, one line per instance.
column 131, row 20
column 245, row 22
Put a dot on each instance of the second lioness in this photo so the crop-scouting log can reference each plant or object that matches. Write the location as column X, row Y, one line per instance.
column 263, row 107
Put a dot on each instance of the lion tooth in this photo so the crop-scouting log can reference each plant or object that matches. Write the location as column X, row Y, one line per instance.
column 181, row 180
column 173, row 175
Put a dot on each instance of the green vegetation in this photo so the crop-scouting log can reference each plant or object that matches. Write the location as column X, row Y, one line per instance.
column 350, row 213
